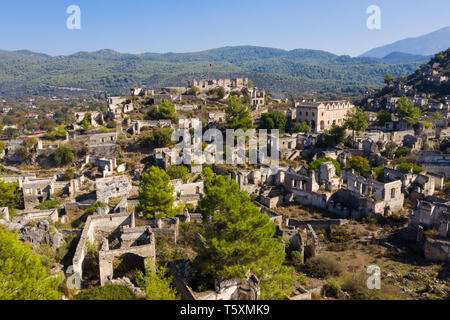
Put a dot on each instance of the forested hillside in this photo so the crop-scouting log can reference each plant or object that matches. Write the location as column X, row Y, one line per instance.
column 297, row 71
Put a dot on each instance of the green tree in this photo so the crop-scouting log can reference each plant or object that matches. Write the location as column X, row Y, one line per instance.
column 10, row 195
column 315, row 165
column 273, row 120
column 158, row 138
column 156, row 195
column 301, row 127
column 69, row 174
column 356, row 120
column 195, row 90
column 221, row 93
column 49, row 204
column 86, row 125
column 178, row 172
column 238, row 239
column 238, row 114
column 390, row 148
column 166, row 110
column 11, row 133
column 383, row 117
column 63, row 155
column 360, row 164
column 208, row 175
column 388, row 78
column 22, row 276
column 157, row 285
column 406, row 109
column 407, row 167
column 335, row 136
column 403, row 152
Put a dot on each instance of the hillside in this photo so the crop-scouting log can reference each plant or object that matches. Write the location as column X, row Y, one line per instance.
column 297, row 71
column 419, row 82
column 425, row 45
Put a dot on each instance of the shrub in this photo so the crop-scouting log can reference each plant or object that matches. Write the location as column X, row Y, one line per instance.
column 315, row 165
column 297, row 257
column 107, row 292
column 69, row 174
column 323, row 267
column 332, row 288
column 49, row 204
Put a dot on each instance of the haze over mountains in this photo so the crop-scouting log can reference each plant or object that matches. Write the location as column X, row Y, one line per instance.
column 24, row 73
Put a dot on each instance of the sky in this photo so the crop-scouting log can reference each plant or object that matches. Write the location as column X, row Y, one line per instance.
column 137, row 26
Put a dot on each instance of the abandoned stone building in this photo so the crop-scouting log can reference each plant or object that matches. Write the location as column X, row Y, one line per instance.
column 320, row 116
column 95, row 117
column 227, row 84
column 187, row 192
column 429, row 216
column 106, row 166
column 37, row 191
column 119, row 238
column 378, row 198
column 116, row 187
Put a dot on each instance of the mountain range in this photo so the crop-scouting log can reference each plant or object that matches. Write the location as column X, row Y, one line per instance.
column 425, row 45
column 302, row 71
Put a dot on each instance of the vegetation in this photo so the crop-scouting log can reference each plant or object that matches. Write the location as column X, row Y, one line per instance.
column 356, row 121
column 406, row 108
column 333, row 137
column 323, row 267
column 315, row 165
column 360, row 164
column 178, row 172
column 273, row 120
column 22, row 276
column 383, row 117
column 156, row 195
column 238, row 114
column 408, row 167
column 165, row 110
column 10, row 195
column 107, row 292
column 157, row 285
column 239, row 239
column 158, row 138
column 63, row 155
column 49, row 204
column 301, row 127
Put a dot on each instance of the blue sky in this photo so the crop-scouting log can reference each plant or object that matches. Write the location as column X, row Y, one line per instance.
column 136, row 26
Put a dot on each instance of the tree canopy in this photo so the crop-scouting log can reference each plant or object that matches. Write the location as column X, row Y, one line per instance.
column 22, row 276
column 63, row 155
column 10, row 195
column 360, row 164
column 238, row 239
column 238, row 114
column 157, row 285
column 156, row 195
column 273, row 120
column 178, row 172
column 406, row 109
column 301, row 127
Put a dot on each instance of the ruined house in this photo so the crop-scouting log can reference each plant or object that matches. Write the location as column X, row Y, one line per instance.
column 116, row 187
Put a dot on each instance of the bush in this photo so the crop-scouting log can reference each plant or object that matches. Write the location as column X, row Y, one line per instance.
column 49, row 204
column 323, row 267
column 315, row 165
column 107, row 292
column 63, row 155
column 333, row 288
column 402, row 152
column 297, row 258
column 69, row 174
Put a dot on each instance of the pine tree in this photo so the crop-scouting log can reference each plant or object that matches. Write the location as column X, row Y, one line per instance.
column 238, row 239
column 156, row 195
column 22, row 276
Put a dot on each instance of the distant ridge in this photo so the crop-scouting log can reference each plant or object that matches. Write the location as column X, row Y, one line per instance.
column 425, row 45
